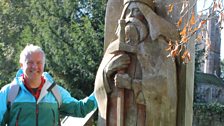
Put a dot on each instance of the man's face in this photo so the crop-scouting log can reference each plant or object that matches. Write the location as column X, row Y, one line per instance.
column 33, row 66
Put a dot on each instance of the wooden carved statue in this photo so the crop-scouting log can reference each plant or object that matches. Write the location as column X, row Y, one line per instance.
column 136, row 84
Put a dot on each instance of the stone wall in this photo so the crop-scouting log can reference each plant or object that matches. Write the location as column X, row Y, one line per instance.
column 208, row 93
column 208, row 100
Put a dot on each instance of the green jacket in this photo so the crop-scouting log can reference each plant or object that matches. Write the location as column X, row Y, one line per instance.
column 27, row 111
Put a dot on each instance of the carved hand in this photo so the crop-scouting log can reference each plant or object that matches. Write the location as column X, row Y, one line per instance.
column 117, row 63
column 117, row 46
column 122, row 81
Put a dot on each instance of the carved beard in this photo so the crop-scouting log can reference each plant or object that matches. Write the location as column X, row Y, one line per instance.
column 141, row 27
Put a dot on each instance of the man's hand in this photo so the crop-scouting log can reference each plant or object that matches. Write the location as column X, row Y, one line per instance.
column 117, row 63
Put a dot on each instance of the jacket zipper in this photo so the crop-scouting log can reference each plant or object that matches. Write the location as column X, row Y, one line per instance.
column 59, row 121
column 53, row 117
column 17, row 118
column 37, row 112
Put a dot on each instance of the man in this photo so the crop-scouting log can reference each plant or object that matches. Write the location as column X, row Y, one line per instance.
column 35, row 104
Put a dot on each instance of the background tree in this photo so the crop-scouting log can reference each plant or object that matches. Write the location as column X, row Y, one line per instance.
column 12, row 20
column 222, row 69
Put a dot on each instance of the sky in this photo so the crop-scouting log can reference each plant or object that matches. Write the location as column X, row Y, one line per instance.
column 200, row 6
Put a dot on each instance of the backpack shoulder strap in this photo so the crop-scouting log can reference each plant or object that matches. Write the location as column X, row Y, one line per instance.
column 55, row 91
column 13, row 92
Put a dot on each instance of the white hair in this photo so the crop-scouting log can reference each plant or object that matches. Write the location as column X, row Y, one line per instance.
column 28, row 50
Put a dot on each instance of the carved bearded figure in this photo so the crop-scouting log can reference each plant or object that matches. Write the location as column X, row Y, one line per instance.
column 136, row 82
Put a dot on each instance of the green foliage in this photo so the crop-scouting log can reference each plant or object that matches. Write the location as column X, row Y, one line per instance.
column 205, row 109
column 70, row 33
column 208, row 114
column 12, row 20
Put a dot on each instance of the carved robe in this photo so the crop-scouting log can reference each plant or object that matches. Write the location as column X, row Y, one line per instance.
column 157, row 75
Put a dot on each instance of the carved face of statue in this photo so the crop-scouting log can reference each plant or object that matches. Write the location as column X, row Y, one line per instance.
column 136, row 25
column 133, row 11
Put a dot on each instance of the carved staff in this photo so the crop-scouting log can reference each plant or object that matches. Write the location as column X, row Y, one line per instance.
column 120, row 95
